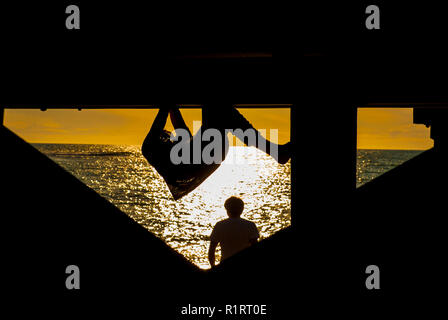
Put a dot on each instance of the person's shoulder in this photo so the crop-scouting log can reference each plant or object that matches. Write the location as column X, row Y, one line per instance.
column 248, row 222
column 221, row 223
column 252, row 228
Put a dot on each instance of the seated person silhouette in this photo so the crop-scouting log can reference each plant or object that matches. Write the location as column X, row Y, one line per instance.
column 233, row 234
column 182, row 178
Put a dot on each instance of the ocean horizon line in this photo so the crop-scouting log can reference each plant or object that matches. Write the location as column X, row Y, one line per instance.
column 387, row 149
column 137, row 145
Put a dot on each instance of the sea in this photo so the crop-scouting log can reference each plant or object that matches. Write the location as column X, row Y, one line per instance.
column 373, row 163
column 122, row 175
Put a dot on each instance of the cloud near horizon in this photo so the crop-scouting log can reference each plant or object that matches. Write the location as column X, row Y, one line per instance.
column 391, row 128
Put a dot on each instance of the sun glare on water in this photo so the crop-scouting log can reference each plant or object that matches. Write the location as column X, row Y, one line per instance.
column 257, row 179
column 123, row 176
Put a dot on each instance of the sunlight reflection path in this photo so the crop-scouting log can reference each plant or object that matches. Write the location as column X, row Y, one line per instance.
column 123, row 176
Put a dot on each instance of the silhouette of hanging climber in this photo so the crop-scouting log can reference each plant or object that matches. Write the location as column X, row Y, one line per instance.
column 183, row 178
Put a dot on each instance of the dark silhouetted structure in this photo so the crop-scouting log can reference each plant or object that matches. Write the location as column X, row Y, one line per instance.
column 233, row 234
column 184, row 177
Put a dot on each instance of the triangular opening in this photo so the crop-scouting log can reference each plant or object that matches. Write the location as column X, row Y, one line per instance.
column 121, row 174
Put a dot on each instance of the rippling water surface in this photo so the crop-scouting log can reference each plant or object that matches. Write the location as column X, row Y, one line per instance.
column 372, row 163
column 123, row 176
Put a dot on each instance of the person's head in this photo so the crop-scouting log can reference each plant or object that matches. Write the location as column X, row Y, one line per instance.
column 234, row 207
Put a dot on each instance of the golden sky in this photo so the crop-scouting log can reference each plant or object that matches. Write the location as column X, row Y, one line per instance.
column 118, row 126
column 391, row 128
column 378, row 128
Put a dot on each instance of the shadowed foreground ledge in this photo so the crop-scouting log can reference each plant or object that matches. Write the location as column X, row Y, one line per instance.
column 52, row 220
